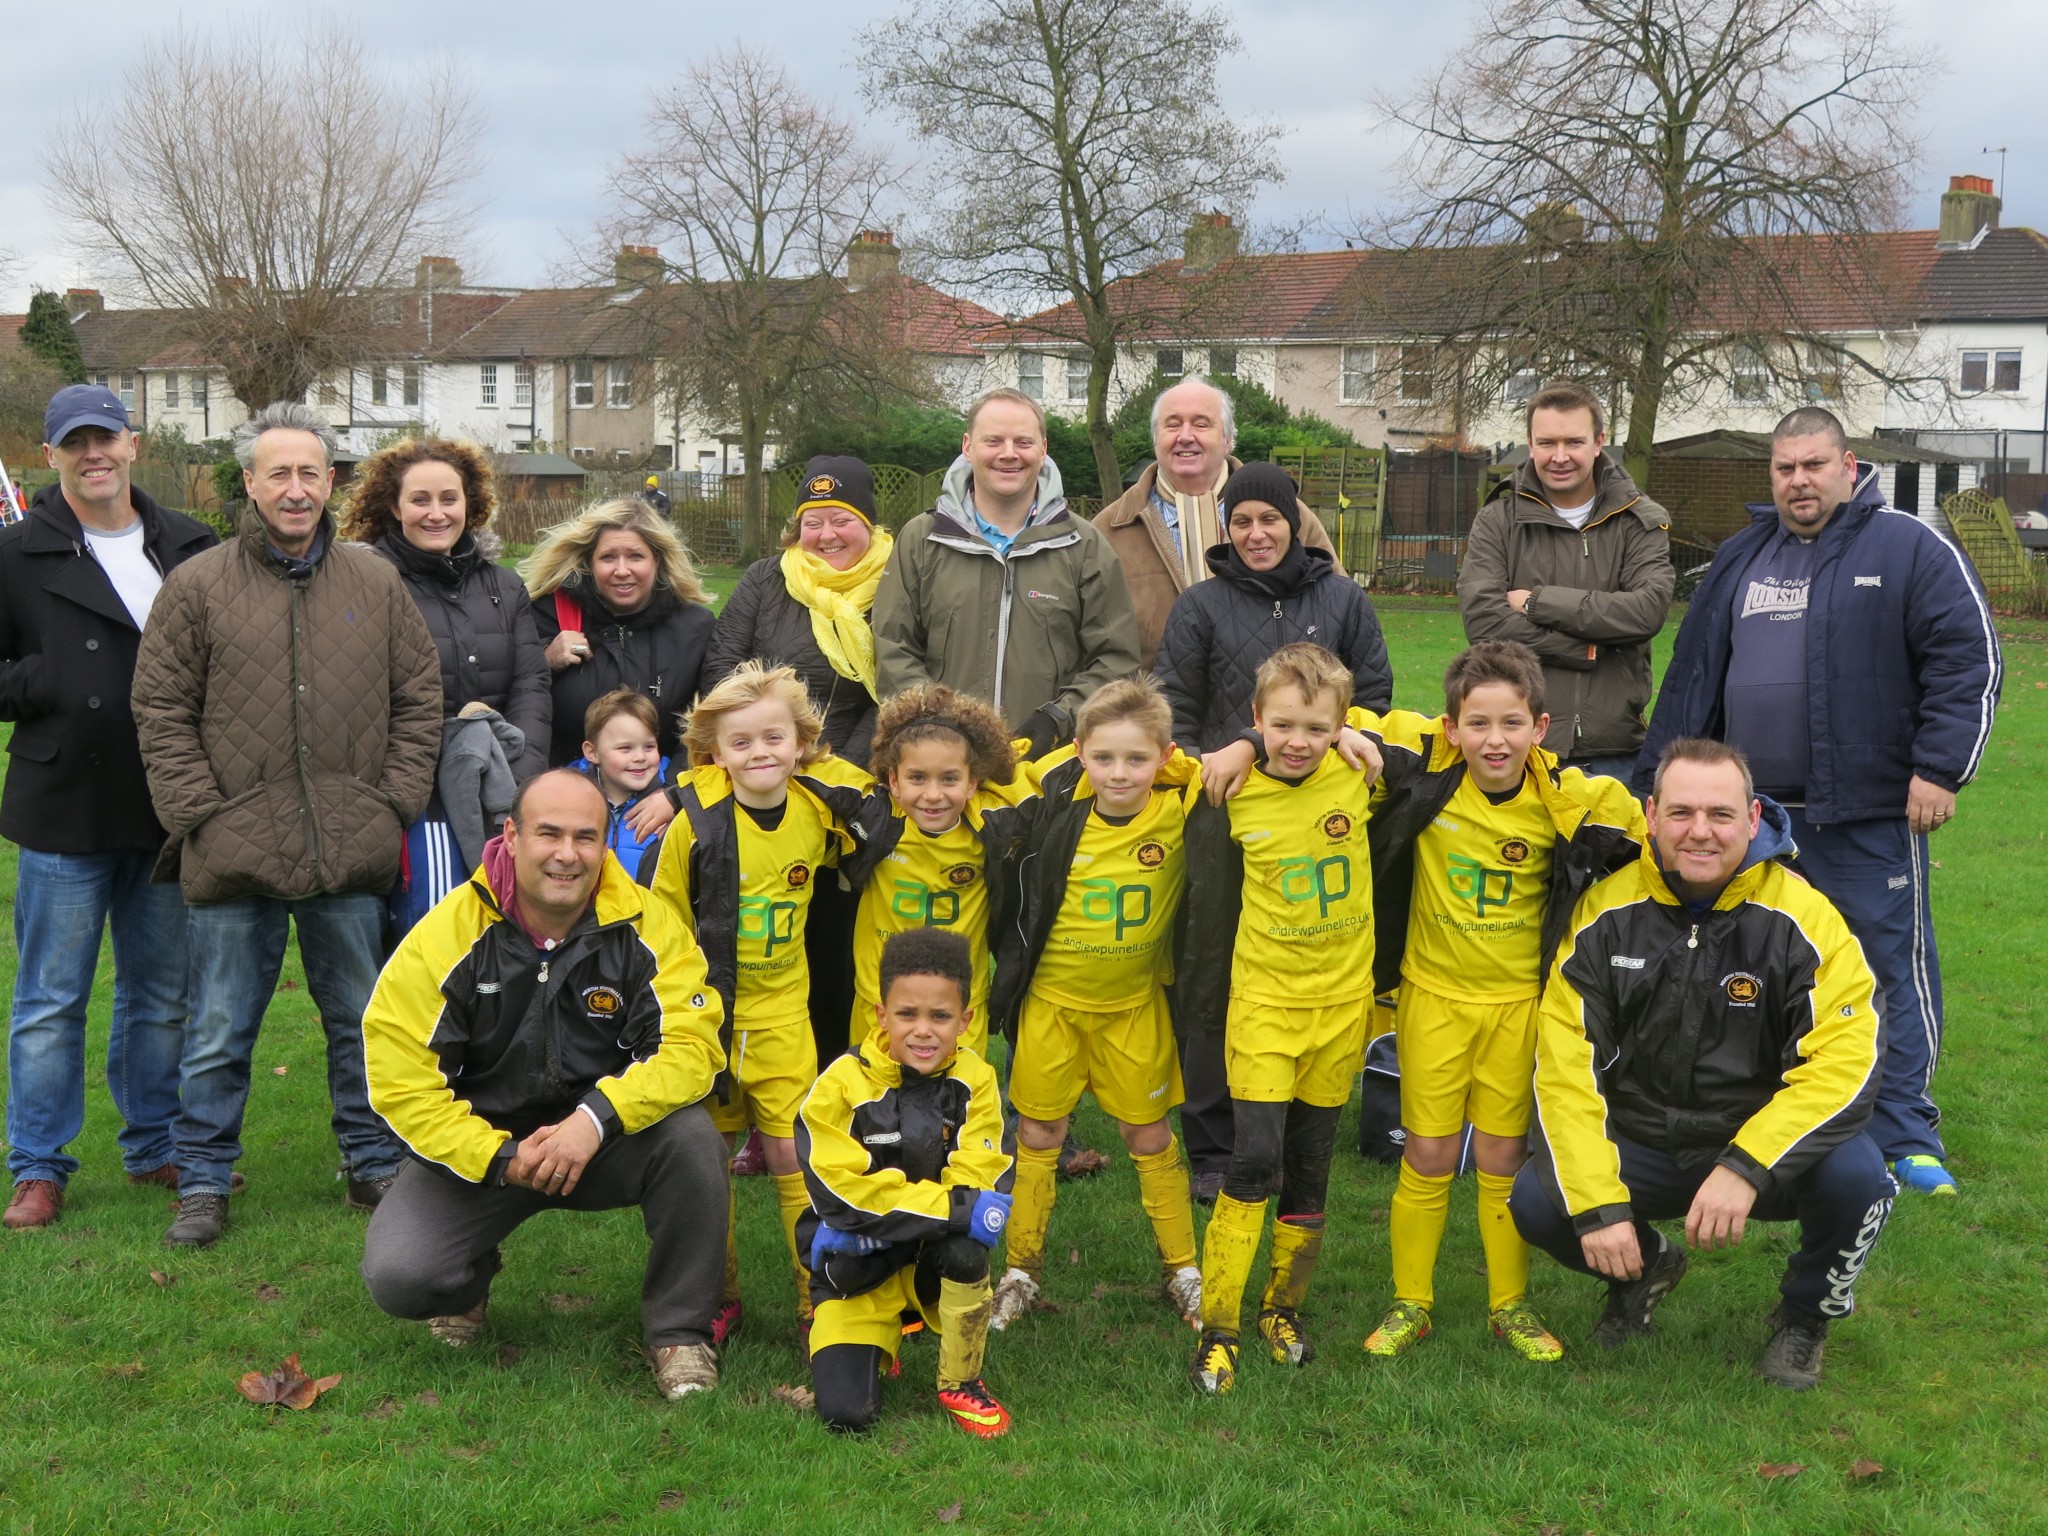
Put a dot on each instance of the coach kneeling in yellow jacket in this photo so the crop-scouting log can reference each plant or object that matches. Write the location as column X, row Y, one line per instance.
column 1709, row 1048
column 543, row 1039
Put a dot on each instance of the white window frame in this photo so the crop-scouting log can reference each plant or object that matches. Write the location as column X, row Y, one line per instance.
column 1521, row 386
column 1172, row 362
column 487, row 385
column 1823, row 376
column 1031, row 374
column 380, row 384
column 1999, row 360
column 522, row 384
column 582, row 384
column 618, row 386
column 1077, row 381
column 1223, row 362
column 171, row 392
column 195, row 391
column 1416, row 364
column 1354, row 375
column 410, row 382
column 1749, row 375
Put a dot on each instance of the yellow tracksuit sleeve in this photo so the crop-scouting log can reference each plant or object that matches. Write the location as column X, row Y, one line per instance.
column 1571, row 1109
column 676, row 1008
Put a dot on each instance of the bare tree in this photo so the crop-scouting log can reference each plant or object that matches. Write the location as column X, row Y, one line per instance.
column 753, row 192
column 1639, row 191
column 267, row 193
column 1079, row 139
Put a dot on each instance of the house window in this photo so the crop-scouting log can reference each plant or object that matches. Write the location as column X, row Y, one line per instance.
column 618, row 385
column 582, row 383
column 486, row 383
column 1170, row 361
column 1031, row 374
column 412, row 383
column 2005, row 372
column 1077, row 380
column 522, row 384
column 197, row 391
column 1418, row 380
column 1354, row 376
column 1749, row 375
column 1823, row 375
column 330, row 391
column 380, row 385
column 170, row 391
column 1521, row 386
column 1223, row 362
column 128, row 392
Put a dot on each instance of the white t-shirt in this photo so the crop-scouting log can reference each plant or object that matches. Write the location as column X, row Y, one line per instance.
column 1576, row 516
column 126, row 562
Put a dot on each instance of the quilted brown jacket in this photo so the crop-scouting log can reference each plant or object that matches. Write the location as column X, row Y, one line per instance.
column 289, row 726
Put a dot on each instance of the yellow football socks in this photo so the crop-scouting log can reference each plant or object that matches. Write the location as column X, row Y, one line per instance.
column 1228, row 1248
column 1297, row 1244
column 1415, row 1222
column 964, row 1307
column 1031, row 1199
column 1163, row 1188
column 1507, row 1256
column 792, row 1200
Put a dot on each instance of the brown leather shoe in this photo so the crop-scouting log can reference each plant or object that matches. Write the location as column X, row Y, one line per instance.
column 36, row 1203
column 167, row 1176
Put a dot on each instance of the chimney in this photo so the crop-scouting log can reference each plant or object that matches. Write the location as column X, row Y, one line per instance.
column 638, row 266
column 84, row 301
column 1210, row 239
column 1968, row 208
column 872, row 255
column 1551, row 226
column 438, row 274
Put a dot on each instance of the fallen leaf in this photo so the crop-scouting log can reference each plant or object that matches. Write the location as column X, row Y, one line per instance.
column 803, row 1399
column 1226, row 1434
column 671, row 1498
column 1073, row 1255
column 124, row 1372
column 471, row 1452
column 950, row 1513
column 1838, row 1432
column 1101, row 1290
column 287, row 985
column 279, row 1071
column 286, row 1387
column 1776, row 1469
column 1864, row 1467
column 1084, row 1163
column 575, row 1269
column 268, row 1292
column 163, row 1281
column 509, row 1356
column 427, row 1399
column 562, row 1301
column 383, row 1408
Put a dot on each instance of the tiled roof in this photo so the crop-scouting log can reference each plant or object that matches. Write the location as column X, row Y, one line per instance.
column 1247, row 297
column 938, row 324
column 2004, row 278
column 559, row 323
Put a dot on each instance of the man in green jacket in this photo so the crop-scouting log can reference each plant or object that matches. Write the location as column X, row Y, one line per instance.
column 1570, row 559
column 1000, row 590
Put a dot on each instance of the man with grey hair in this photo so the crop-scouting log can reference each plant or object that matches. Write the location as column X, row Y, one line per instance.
column 288, row 699
column 1163, row 525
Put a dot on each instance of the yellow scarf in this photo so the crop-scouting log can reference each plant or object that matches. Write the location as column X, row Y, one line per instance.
column 839, row 602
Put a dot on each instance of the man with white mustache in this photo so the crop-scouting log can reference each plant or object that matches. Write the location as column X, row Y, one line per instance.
column 288, row 699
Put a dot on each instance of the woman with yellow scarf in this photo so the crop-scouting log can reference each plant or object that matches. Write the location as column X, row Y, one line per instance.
column 807, row 608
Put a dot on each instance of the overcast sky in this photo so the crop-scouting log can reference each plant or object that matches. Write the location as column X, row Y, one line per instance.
column 561, row 88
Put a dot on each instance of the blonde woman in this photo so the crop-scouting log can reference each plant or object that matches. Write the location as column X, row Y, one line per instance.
column 618, row 605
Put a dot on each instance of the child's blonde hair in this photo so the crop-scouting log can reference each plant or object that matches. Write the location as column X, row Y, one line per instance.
column 1136, row 699
column 934, row 712
column 1308, row 669
column 621, row 701
column 750, row 683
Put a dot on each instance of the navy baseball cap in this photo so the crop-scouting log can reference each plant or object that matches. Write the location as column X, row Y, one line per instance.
column 83, row 405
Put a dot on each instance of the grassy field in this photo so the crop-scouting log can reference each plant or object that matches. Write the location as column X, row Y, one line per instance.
column 119, row 1359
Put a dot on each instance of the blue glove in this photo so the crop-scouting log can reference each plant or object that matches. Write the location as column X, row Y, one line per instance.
column 832, row 1240
column 990, row 1215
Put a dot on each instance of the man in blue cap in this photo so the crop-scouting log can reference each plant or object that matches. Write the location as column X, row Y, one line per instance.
column 78, row 576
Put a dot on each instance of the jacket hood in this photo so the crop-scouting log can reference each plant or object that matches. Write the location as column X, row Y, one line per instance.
column 663, row 603
column 1773, row 840
column 953, row 493
column 1867, row 497
column 1613, row 488
column 1302, row 566
column 448, row 569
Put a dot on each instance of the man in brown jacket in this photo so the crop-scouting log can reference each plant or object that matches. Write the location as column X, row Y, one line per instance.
column 1161, row 526
column 288, row 699
column 1573, row 561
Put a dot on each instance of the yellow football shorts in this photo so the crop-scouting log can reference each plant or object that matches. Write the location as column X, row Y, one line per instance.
column 1465, row 1061
column 1124, row 1056
column 772, row 1068
column 873, row 1317
column 1272, row 1054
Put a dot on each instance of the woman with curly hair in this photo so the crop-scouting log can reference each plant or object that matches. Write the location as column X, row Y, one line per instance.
column 618, row 605
column 425, row 505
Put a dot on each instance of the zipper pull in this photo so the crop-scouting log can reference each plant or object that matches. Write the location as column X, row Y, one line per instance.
column 1692, row 942
column 544, row 972
column 1585, row 547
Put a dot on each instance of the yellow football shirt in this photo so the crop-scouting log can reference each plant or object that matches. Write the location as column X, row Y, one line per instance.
column 1111, row 941
column 925, row 881
column 1482, row 880
column 1305, row 932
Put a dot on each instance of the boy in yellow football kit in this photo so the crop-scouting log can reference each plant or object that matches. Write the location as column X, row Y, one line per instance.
column 1276, row 952
column 763, row 810
column 1093, row 879
column 1481, row 846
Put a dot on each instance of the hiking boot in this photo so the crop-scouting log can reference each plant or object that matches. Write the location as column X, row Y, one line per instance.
column 1287, row 1340
column 1405, row 1326
column 680, row 1369
column 201, row 1220
column 367, row 1194
column 1523, row 1331
column 1184, row 1290
column 1792, row 1358
column 1630, row 1303
column 1016, row 1293
column 36, row 1203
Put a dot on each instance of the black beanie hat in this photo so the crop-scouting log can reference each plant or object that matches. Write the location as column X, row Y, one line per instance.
column 832, row 480
column 1262, row 482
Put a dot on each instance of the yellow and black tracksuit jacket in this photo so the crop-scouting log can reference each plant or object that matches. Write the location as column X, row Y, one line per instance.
column 1747, row 1033
column 1599, row 827
column 899, row 1155
column 1037, row 858
column 475, row 1037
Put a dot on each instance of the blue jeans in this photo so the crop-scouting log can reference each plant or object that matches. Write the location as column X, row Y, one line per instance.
column 62, row 903
column 1875, row 872
column 237, row 955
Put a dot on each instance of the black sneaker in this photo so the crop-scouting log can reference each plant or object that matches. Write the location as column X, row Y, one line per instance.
column 1630, row 1302
column 1792, row 1358
column 365, row 1194
column 201, row 1220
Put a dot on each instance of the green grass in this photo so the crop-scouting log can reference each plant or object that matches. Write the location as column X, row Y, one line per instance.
column 122, row 1415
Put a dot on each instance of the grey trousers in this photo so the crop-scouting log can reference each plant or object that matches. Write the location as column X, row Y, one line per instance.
column 432, row 1246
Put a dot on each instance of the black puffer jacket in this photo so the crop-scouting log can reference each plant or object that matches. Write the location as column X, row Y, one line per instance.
column 1221, row 630
column 482, row 625
column 762, row 622
column 658, row 651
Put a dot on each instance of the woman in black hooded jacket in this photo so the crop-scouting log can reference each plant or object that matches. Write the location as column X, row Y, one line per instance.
column 1267, row 589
